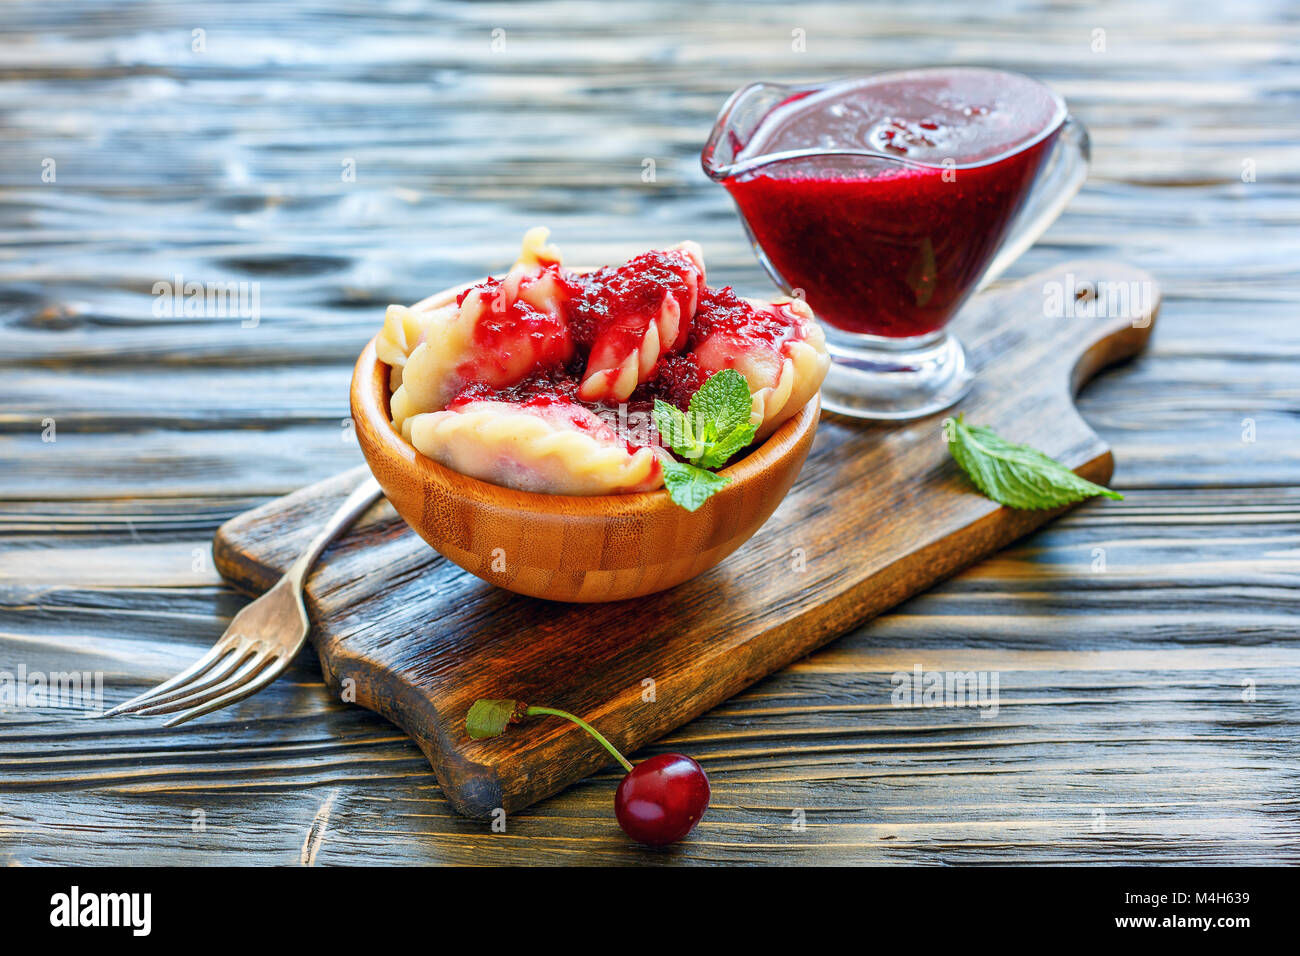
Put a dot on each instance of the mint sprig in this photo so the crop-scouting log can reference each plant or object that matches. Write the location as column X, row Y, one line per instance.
column 714, row 427
column 1017, row 476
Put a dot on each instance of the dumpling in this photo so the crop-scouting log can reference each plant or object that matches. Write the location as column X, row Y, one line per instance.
column 632, row 316
column 778, row 346
column 497, row 333
column 403, row 330
column 537, row 380
column 548, row 446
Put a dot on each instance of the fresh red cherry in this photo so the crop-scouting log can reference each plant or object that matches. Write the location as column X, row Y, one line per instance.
column 662, row 799
column 659, row 801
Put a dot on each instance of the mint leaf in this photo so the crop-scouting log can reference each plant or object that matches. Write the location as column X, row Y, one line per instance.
column 724, row 401
column 717, row 453
column 1016, row 475
column 715, row 427
column 675, row 430
column 490, row 718
column 690, row 486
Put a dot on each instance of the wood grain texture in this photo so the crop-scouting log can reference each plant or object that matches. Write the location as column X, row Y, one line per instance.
column 1126, row 632
column 415, row 639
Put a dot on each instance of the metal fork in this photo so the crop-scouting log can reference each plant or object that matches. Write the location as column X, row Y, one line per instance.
column 260, row 642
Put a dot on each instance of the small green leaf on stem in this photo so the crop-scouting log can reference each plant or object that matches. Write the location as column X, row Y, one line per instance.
column 490, row 718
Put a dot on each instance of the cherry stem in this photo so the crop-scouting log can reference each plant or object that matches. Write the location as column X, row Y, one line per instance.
column 552, row 712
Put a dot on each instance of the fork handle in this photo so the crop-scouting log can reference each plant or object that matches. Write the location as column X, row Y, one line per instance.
column 357, row 502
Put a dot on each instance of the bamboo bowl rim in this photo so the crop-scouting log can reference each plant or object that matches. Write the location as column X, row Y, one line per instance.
column 370, row 410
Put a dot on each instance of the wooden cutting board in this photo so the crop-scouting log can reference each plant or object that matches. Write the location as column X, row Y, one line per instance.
column 879, row 513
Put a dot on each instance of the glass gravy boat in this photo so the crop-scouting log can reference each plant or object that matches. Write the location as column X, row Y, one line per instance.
column 886, row 242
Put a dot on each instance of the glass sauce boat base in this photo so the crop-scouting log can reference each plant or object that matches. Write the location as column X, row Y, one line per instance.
column 884, row 379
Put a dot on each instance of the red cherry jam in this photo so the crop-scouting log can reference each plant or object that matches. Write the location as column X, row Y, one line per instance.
column 721, row 311
column 894, row 248
column 619, row 302
column 542, row 387
column 610, row 303
column 675, row 379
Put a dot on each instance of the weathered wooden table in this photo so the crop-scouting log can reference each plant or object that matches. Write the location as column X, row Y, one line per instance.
column 344, row 155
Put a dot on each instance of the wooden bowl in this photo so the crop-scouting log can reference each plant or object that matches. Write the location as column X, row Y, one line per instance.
column 566, row 548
